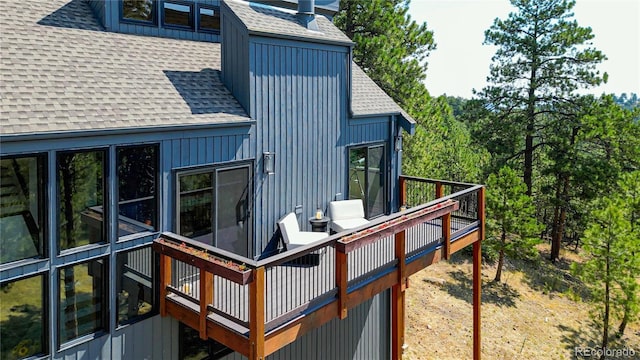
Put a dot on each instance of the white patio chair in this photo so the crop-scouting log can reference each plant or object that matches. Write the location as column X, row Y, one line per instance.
column 346, row 214
column 292, row 236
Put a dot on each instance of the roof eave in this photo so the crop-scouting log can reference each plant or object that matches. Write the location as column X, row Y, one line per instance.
column 119, row 131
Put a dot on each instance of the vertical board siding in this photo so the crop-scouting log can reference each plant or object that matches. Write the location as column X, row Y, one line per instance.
column 197, row 151
column 300, row 107
column 235, row 58
column 363, row 335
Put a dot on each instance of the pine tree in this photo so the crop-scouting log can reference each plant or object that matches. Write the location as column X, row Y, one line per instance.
column 542, row 58
column 511, row 222
column 612, row 266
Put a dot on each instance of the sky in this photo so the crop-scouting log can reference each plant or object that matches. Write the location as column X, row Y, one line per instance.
column 460, row 62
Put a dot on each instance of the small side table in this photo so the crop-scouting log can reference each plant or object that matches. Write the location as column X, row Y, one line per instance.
column 319, row 225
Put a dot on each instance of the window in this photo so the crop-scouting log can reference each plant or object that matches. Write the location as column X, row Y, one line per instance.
column 209, row 19
column 137, row 168
column 22, row 208
column 136, row 295
column 23, row 318
column 142, row 11
column 214, row 207
column 83, row 299
column 177, row 14
column 367, row 178
column 194, row 348
column 81, row 198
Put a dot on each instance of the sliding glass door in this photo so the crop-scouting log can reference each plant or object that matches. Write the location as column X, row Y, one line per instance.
column 214, row 207
column 367, row 178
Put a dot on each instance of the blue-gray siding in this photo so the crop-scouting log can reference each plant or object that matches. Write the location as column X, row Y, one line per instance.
column 235, row 57
column 299, row 104
column 363, row 335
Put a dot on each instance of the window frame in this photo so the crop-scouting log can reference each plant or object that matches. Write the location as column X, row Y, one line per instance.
column 105, row 287
column 152, row 22
column 45, row 321
column 155, row 226
column 192, row 21
column 214, row 169
column 155, row 291
column 384, row 175
column 43, row 204
column 216, row 9
column 105, row 201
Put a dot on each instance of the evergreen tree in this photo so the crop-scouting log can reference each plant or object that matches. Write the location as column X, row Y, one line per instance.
column 392, row 49
column 612, row 244
column 542, row 58
column 511, row 223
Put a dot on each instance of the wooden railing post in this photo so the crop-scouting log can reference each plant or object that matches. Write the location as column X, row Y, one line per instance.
column 341, row 281
column 477, row 299
column 438, row 189
column 398, row 299
column 206, row 298
column 256, row 315
column 403, row 192
column 477, row 279
column 446, row 235
column 165, row 280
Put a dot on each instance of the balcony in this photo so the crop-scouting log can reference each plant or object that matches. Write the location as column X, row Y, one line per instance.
column 258, row 307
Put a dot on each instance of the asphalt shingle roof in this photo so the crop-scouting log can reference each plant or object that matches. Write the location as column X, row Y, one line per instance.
column 60, row 71
column 369, row 99
column 270, row 21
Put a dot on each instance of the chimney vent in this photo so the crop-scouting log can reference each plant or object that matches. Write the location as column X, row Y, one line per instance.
column 306, row 7
column 306, row 14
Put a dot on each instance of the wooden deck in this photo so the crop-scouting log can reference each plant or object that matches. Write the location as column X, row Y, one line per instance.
column 268, row 304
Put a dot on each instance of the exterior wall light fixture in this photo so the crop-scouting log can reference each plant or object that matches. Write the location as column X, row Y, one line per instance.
column 269, row 162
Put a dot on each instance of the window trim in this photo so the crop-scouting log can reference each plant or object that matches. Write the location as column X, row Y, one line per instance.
column 216, row 9
column 214, row 169
column 155, row 291
column 385, row 175
column 105, row 201
column 43, row 206
column 152, row 22
column 157, row 175
column 46, row 295
column 192, row 22
column 104, row 313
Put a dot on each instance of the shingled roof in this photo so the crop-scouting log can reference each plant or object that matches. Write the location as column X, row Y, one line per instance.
column 277, row 22
column 61, row 72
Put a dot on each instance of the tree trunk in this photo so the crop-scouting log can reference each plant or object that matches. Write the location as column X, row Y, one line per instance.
column 503, row 239
column 623, row 324
column 528, row 159
column 555, row 246
column 605, row 332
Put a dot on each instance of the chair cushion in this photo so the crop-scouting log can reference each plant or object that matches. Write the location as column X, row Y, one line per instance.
column 291, row 234
column 340, row 225
column 346, row 209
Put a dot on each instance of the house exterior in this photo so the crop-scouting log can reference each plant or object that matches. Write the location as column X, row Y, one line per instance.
column 130, row 124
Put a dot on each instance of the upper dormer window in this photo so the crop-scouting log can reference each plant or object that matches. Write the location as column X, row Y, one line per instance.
column 209, row 18
column 177, row 14
column 139, row 11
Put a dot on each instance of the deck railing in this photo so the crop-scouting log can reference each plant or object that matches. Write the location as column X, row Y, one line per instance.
column 255, row 303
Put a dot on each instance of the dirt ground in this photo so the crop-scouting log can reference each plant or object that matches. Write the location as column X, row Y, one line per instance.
column 537, row 312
